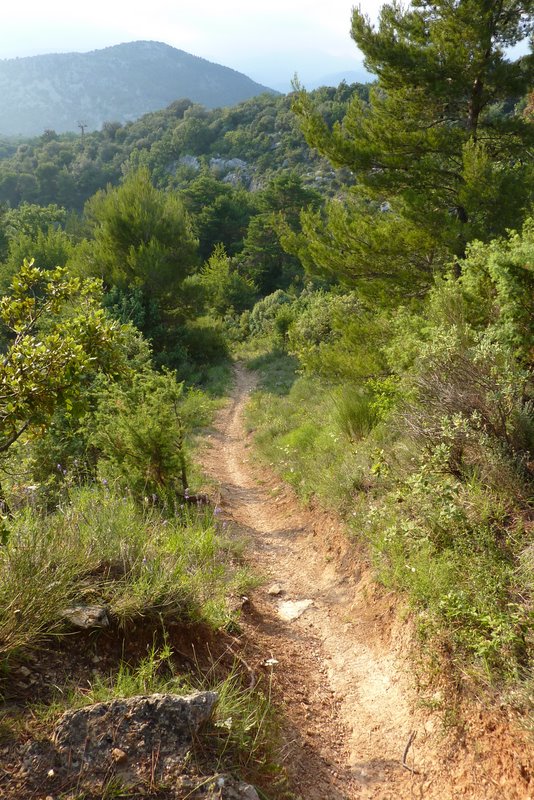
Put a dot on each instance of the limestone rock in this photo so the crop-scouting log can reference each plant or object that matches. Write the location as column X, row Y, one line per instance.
column 227, row 788
column 86, row 617
column 24, row 672
column 189, row 161
column 132, row 734
column 291, row 610
column 119, row 756
column 244, row 791
column 37, row 758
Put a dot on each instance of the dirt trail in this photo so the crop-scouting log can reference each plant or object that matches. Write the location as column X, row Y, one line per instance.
column 342, row 675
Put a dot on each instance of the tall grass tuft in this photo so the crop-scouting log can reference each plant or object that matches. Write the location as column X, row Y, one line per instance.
column 102, row 548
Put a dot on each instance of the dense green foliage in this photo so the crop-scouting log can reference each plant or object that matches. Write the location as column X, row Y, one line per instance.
column 160, row 197
column 430, row 455
column 50, row 351
column 176, row 144
column 440, row 153
column 388, row 300
column 401, row 391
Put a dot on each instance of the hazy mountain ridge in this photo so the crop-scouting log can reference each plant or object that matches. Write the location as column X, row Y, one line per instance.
column 119, row 83
column 359, row 75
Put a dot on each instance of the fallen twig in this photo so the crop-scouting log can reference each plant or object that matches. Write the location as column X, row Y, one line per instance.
column 405, row 754
column 251, row 673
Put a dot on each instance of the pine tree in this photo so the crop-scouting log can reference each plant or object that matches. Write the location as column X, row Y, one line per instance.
column 142, row 237
column 143, row 248
column 439, row 152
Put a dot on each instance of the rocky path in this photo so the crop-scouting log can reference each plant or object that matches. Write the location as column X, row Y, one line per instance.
column 337, row 647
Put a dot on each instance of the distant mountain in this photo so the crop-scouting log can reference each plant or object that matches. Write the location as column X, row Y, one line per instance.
column 313, row 81
column 119, row 83
column 335, row 78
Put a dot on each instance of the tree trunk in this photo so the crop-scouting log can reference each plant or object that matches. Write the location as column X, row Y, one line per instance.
column 474, row 108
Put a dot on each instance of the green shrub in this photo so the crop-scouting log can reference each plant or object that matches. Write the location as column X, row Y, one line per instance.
column 449, row 547
column 354, row 412
column 205, row 341
column 419, row 426
column 263, row 316
column 302, row 431
column 225, row 287
column 140, row 433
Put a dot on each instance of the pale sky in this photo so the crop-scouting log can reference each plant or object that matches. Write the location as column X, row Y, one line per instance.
column 269, row 41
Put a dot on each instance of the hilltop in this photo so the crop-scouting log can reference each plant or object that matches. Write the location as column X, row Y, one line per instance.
column 119, row 83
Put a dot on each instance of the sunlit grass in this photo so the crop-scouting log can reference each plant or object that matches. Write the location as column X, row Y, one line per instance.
column 102, row 548
column 243, row 734
column 457, row 550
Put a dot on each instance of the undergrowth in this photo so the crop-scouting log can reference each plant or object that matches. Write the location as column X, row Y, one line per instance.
column 457, row 546
column 303, row 429
column 243, row 735
column 102, row 548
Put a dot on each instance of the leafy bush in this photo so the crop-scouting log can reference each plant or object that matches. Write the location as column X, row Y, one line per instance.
column 263, row 315
column 335, row 336
column 205, row 341
column 450, row 547
column 226, row 289
column 59, row 339
column 43, row 469
column 469, row 386
column 419, row 426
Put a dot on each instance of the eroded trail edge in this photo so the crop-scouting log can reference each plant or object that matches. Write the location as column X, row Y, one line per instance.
column 337, row 647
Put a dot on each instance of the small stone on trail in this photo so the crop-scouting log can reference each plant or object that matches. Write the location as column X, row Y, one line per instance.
column 291, row 610
column 118, row 755
column 275, row 589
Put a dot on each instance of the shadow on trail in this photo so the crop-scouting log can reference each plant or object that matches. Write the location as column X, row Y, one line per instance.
column 312, row 774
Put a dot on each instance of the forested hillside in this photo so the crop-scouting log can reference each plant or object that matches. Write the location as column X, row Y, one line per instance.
column 241, row 146
column 60, row 91
column 368, row 250
column 228, row 177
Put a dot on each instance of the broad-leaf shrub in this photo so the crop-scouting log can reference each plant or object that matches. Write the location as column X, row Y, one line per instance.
column 58, row 335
